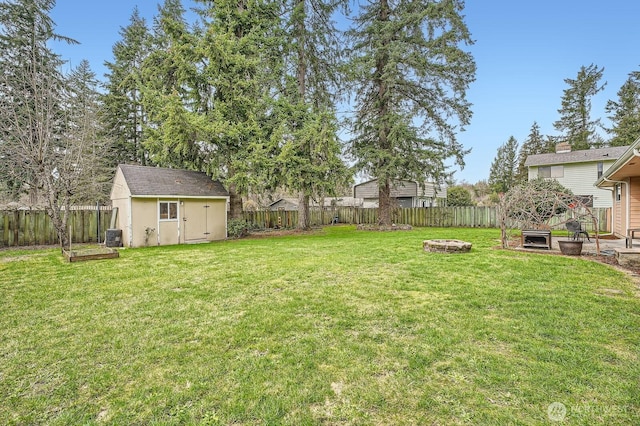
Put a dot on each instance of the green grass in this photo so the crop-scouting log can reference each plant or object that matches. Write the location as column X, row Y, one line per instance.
column 337, row 327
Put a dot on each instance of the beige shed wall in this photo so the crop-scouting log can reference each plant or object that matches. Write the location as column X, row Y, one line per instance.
column 195, row 222
column 144, row 214
column 120, row 199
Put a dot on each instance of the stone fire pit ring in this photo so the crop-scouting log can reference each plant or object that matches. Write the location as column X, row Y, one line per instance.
column 446, row 246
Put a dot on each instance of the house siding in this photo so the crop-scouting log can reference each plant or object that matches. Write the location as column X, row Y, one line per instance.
column 580, row 179
column 634, row 207
column 618, row 214
column 369, row 190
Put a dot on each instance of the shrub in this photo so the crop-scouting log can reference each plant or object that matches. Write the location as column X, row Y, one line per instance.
column 237, row 228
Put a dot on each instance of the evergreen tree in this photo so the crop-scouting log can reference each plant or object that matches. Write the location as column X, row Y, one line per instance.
column 237, row 50
column 459, row 196
column 86, row 163
column 575, row 122
column 124, row 114
column 534, row 144
column 625, row 112
column 410, row 79
column 168, row 85
column 502, row 175
column 308, row 158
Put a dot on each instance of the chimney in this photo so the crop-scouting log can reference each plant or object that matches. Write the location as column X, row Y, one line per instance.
column 563, row 147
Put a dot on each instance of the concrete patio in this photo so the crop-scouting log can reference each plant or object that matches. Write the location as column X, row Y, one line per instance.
column 626, row 257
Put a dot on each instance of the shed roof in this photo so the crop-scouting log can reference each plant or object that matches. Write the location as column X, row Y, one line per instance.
column 146, row 181
column 582, row 156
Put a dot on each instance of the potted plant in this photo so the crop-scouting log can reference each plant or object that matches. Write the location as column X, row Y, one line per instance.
column 570, row 247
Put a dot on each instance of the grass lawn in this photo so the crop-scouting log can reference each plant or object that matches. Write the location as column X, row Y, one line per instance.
column 334, row 327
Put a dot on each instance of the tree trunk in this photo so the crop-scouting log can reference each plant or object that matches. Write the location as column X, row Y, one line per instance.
column 384, row 202
column 384, row 187
column 301, row 73
column 235, row 202
column 303, row 211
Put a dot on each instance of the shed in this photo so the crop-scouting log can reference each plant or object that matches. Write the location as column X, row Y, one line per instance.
column 160, row 206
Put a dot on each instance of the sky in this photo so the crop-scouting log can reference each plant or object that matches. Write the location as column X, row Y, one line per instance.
column 524, row 50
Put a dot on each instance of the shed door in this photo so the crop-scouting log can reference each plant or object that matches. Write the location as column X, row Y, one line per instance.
column 197, row 221
column 168, row 223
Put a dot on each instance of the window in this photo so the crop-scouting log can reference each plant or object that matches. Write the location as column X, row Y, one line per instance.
column 617, row 189
column 551, row 171
column 600, row 169
column 168, row 210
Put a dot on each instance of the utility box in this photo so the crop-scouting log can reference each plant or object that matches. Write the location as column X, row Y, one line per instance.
column 113, row 238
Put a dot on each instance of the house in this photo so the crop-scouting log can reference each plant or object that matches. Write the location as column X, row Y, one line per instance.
column 577, row 170
column 406, row 193
column 158, row 206
column 621, row 181
column 288, row 203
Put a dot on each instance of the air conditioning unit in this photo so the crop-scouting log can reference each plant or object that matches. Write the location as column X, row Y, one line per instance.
column 113, row 238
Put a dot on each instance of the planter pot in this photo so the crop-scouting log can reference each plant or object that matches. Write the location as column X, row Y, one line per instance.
column 570, row 248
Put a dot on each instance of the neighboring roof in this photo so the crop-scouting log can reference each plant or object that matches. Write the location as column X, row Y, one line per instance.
column 583, row 156
column 287, row 202
column 629, row 153
column 430, row 189
column 157, row 181
column 290, row 202
column 395, row 182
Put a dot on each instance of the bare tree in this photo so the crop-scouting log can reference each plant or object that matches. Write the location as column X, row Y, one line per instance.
column 48, row 145
column 534, row 204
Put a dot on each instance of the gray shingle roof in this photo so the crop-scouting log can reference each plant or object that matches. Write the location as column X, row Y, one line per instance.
column 144, row 181
column 600, row 154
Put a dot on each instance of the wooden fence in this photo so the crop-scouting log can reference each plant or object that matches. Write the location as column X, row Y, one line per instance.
column 459, row 217
column 34, row 227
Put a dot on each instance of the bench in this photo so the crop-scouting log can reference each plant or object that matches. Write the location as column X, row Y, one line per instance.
column 631, row 234
column 536, row 238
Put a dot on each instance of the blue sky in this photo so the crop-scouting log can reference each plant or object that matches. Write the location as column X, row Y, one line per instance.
column 523, row 49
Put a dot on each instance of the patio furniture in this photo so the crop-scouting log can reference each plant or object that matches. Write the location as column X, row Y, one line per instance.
column 631, row 234
column 576, row 230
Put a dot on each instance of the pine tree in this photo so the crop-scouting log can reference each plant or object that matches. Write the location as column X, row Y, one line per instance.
column 168, row 86
column 86, row 163
column 124, row 114
column 502, row 175
column 237, row 49
column 308, row 158
column 410, row 79
column 534, row 144
column 575, row 122
column 625, row 112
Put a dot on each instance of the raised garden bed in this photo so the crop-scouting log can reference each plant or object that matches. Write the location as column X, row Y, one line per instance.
column 90, row 254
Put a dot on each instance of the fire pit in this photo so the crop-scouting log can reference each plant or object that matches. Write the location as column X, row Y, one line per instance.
column 446, row 246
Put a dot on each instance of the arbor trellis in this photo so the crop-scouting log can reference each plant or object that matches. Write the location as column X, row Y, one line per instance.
column 534, row 204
